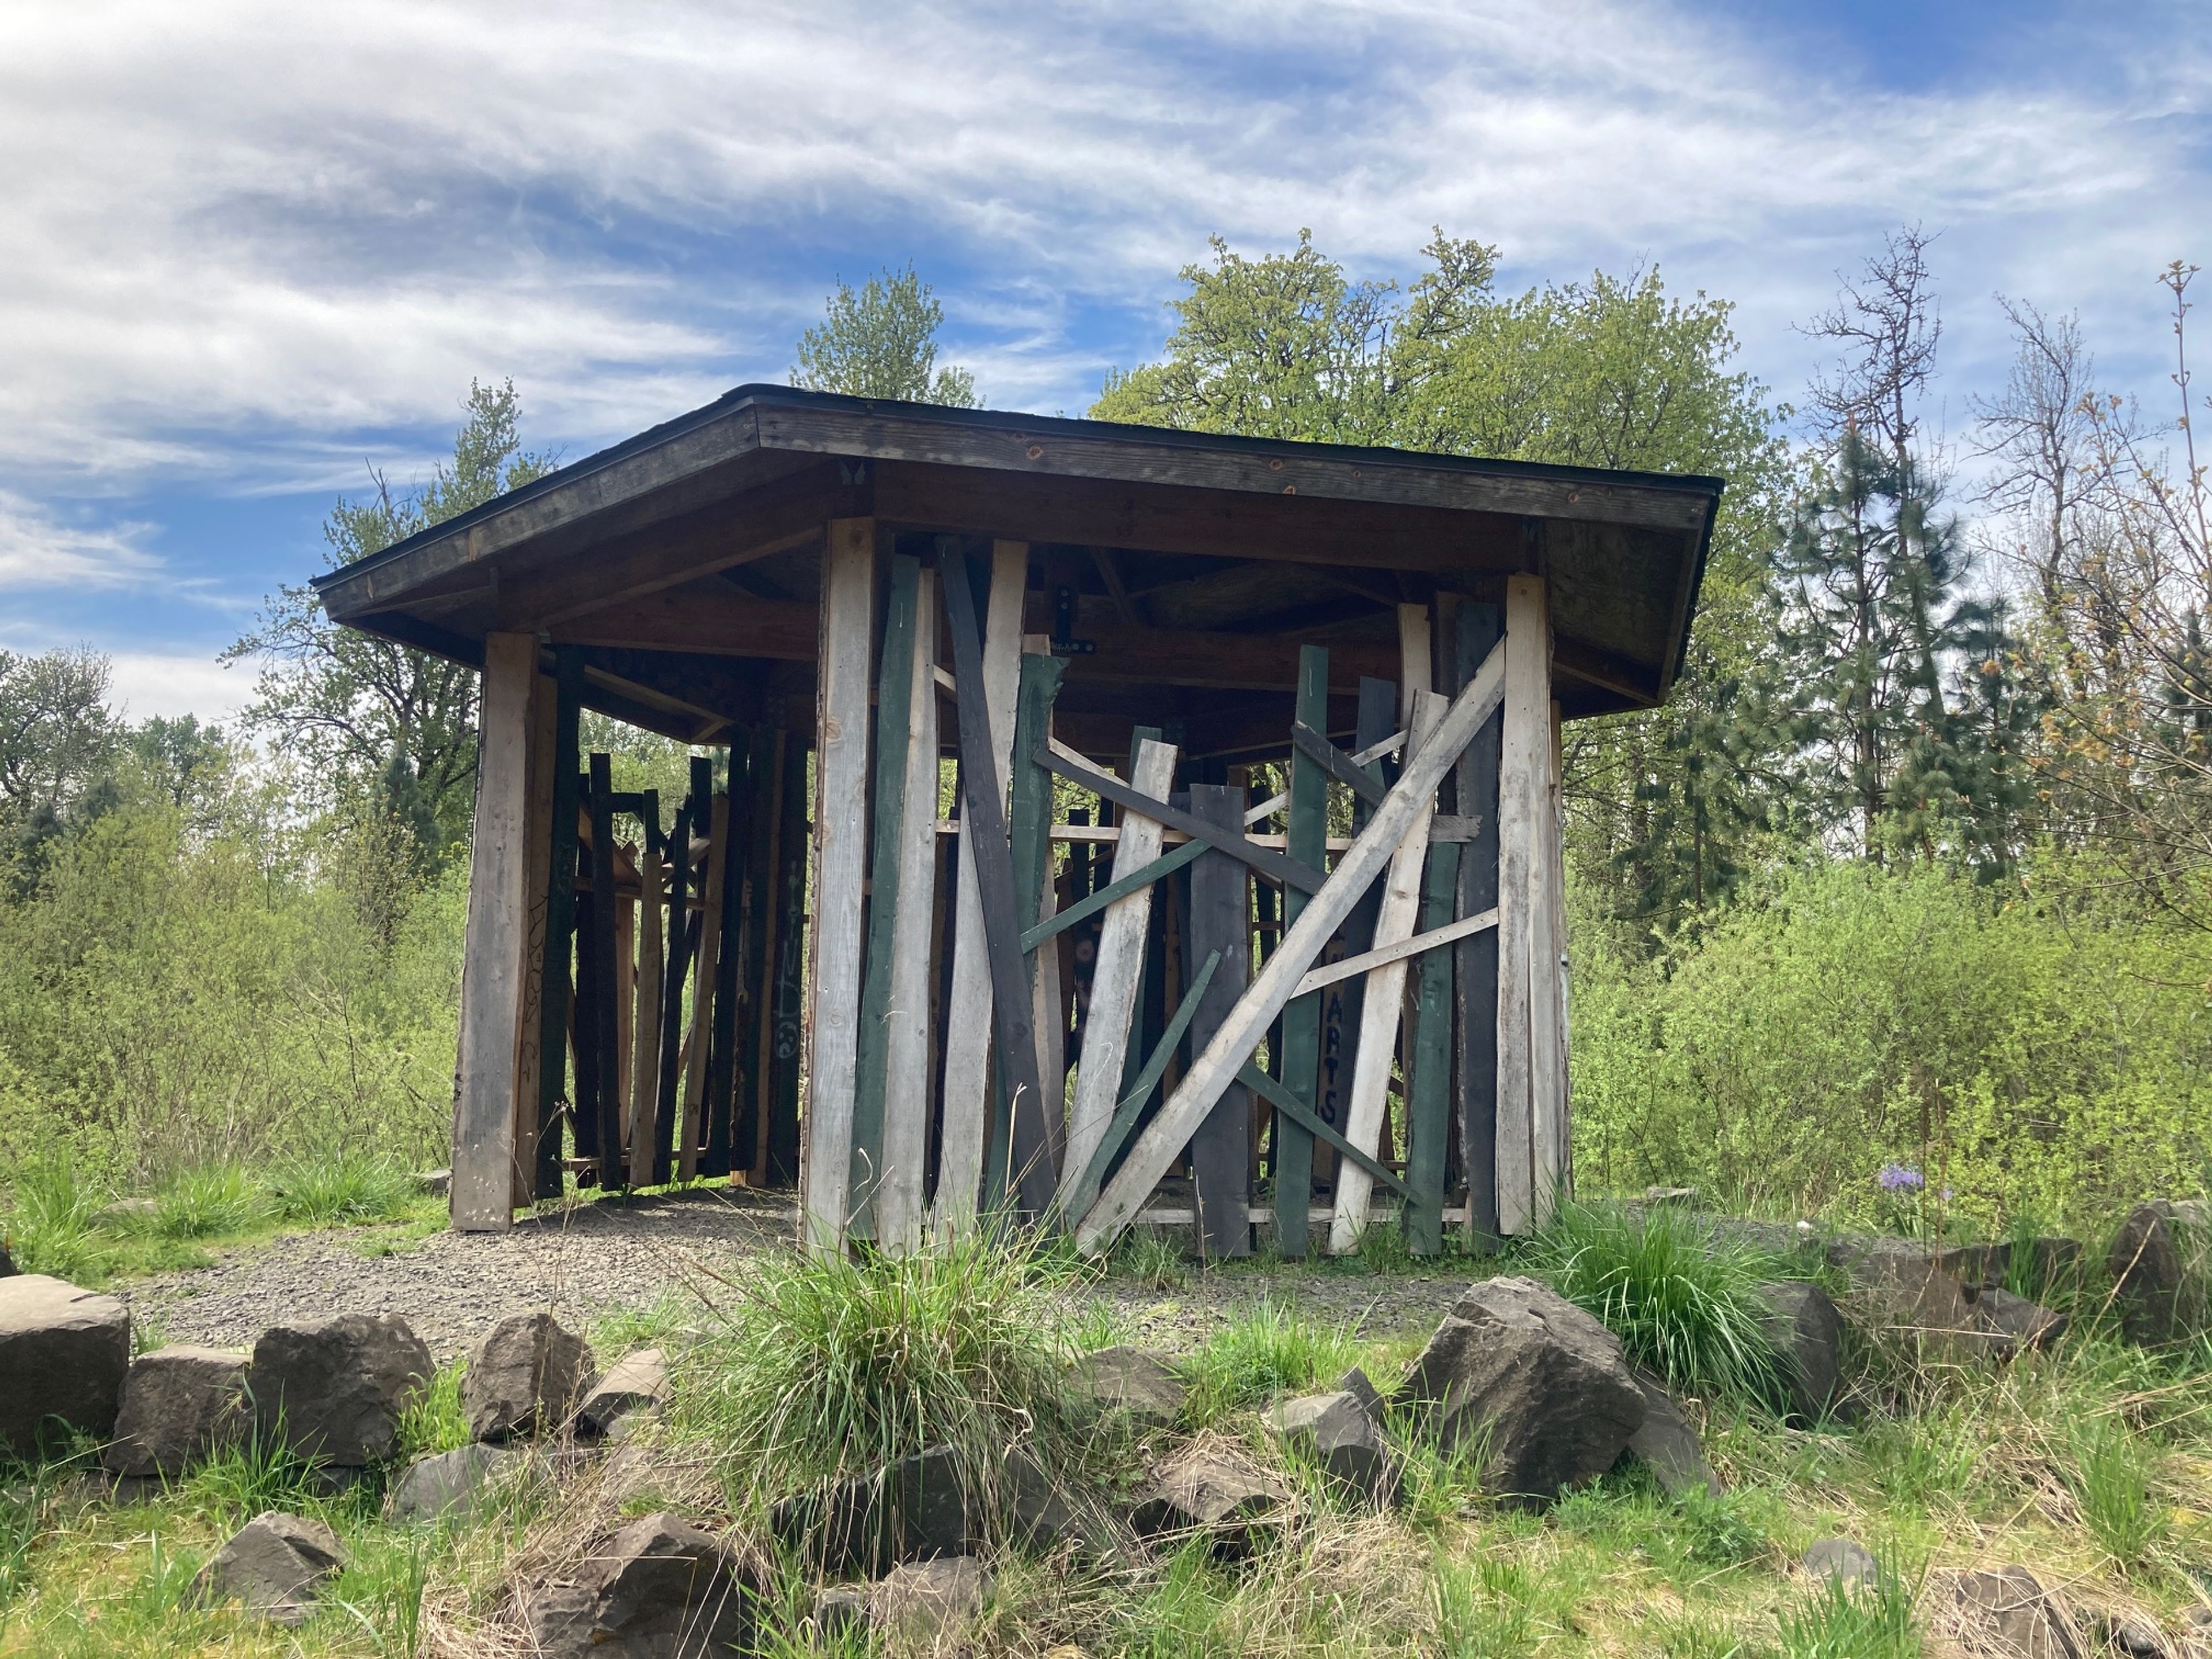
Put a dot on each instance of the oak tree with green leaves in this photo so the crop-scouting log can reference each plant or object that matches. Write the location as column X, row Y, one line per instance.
column 390, row 730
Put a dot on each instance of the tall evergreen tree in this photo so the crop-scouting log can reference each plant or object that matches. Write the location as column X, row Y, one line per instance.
column 880, row 341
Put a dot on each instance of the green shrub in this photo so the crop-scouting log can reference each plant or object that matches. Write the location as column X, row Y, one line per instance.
column 1840, row 1017
column 1684, row 1304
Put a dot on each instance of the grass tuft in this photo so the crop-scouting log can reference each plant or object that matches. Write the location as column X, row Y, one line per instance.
column 342, row 1190
column 818, row 1367
column 1864, row 1620
column 53, row 1222
column 2111, row 1483
column 1260, row 1354
column 1684, row 1304
column 209, row 1202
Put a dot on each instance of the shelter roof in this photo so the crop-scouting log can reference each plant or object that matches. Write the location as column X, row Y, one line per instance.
column 1179, row 558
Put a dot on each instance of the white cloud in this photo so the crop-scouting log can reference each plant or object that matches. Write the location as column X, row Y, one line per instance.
column 143, row 683
column 38, row 550
column 239, row 230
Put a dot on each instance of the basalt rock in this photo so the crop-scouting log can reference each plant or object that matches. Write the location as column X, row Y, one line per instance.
column 1214, row 1490
column 1807, row 1333
column 661, row 1587
column 180, row 1404
column 334, row 1389
column 1337, row 1432
column 63, row 1352
column 1666, row 1444
column 1130, row 1380
column 523, row 1377
column 276, row 1565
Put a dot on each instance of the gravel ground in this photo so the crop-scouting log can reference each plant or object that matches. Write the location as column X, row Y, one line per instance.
column 595, row 1259
column 579, row 1264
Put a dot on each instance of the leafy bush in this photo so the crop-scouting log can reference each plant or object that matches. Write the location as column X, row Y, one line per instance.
column 1684, row 1304
column 1843, row 1017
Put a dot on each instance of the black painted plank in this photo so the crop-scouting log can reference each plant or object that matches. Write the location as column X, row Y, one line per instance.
column 560, row 921
column 602, row 945
column 1220, row 912
column 1475, row 982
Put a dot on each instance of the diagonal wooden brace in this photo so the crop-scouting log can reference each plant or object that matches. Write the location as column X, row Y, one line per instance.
column 1240, row 1033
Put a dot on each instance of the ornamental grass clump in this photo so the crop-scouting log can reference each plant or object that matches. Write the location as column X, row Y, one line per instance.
column 812, row 1368
column 1685, row 1303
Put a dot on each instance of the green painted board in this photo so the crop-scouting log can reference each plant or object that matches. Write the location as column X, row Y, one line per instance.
column 1300, row 1049
column 1429, row 1095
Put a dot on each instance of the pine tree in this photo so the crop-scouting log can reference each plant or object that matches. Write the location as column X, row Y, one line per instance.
column 880, row 341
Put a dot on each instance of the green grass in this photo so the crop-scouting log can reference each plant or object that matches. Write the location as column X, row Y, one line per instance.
column 1260, row 1354
column 1684, row 1304
column 212, row 1203
column 433, row 1420
column 811, row 1367
column 1836, row 1620
column 2112, row 1481
column 343, row 1191
column 51, row 1222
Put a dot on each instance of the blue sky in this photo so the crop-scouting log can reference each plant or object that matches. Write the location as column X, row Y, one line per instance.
column 255, row 250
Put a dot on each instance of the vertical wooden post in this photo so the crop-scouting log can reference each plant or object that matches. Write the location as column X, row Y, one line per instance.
column 1384, row 1000
column 841, row 818
column 1474, row 985
column 627, row 1081
column 1028, row 831
column 1301, row 1027
column 968, row 1089
column 1556, row 843
column 1529, row 1106
column 763, row 775
column 710, row 813
column 734, row 810
column 1428, row 1094
column 666, row 1081
column 647, row 1129
column 1345, row 1002
column 607, row 1011
column 1117, row 974
column 893, row 703
column 779, row 1148
column 538, row 833
column 1220, row 912
column 908, row 1049
column 497, row 936
column 560, row 921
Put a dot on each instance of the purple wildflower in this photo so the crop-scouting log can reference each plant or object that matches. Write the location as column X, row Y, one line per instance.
column 1900, row 1177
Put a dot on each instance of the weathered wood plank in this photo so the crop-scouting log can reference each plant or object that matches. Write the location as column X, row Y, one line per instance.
column 560, row 922
column 1118, row 970
column 969, row 1090
column 1555, row 898
column 646, row 1123
column 1355, row 776
column 1416, row 659
column 1212, row 1070
column 667, row 1079
column 538, row 840
column 1220, row 923
column 1428, row 1090
column 1474, row 984
column 1083, row 1191
column 1521, row 819
column 1121, row 887
column 1384, row 1002
column 480, row 1198
column 894, row 701
column 607, row 1142
column 1300, row 1030
column 1029, row 1168
column 908, row 1051
column 1029, row 831
column 1450, row 932
column 721, row 1155
column 764, row 808
column 1289, row 1104
column 709, row 925
column 1230, row 839
column 781, row 1160
column 841, row 802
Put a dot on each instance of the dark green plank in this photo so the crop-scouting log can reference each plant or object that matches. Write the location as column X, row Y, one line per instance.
column 560, row 921
column 1121, row 887
column 1282, row 1101
column 1220, row 927
column 1299, row 1053
column 1428, row 1093
column 1085, row 1193
column 1476, row 982
column 1290, row 872
column 1338, row 765
column 608, row 1109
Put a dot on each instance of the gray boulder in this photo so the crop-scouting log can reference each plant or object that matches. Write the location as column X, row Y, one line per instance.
column 2147, row 1277
column 1843, row 1558
column 2011, row 1611
column 1213, row 1490
column 446, row 1483
column 1808, row 1331
column 919, row 1602
column 523, row 1377
column 1130, row 1380
column 276, row 1565
column 334, row 1389
column 2125, row 1632
column 1355, row 1382
column 62, row 1355
column 179, row 1404
column 636, row 1382
column 1542, row 1380
column 1668, row 1446
column 659, row 1589
column 2029, row 1324
column 1336, row 1431
column 1914, row 1292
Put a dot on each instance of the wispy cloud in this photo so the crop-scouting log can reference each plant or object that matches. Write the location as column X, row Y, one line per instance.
column 242, row 232
column 38, row 550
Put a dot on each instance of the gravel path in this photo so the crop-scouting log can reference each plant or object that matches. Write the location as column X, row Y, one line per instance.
column 580, row 1264
column 595, row 1259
